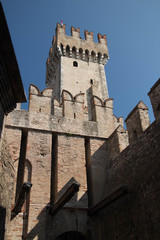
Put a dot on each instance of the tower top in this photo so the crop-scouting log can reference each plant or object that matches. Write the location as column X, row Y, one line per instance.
column 96, row 52
column 76, row 65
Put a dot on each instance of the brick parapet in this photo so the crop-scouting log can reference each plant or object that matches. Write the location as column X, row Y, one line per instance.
column 81, row 46
column 72, row 107
column 118, row 141
column 46, row 122
column 40, row 101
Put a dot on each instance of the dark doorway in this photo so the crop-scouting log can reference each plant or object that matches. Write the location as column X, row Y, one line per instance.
column 71, row 236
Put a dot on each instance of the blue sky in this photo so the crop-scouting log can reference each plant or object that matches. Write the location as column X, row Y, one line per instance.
column 133, row 36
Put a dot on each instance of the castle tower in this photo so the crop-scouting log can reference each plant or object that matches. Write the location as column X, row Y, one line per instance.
column 77, row 65
column 67, row 163
column 60, row 145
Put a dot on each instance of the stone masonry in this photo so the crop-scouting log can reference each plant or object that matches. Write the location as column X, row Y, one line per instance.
column 69, row 135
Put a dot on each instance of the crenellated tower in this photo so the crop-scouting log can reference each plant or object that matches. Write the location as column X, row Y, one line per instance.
column 77, row 65
column 68, row 163
column 63, row 145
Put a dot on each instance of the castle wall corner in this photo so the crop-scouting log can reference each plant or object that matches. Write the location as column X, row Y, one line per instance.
column 118, row 141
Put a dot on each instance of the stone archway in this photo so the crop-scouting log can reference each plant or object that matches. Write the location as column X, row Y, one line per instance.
column 72, row 235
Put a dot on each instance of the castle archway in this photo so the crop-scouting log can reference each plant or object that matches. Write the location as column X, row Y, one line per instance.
column 72, row 235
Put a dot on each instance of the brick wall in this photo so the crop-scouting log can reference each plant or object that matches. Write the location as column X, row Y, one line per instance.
column 135, row 216
column 7, row 175
column 71, row 166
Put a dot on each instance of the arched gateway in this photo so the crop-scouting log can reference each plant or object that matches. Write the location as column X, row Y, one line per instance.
column 72, row 235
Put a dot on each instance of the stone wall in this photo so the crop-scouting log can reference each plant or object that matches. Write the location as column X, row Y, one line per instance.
column 100, row 163
column 72, row 168
column 136, row 215
column 7, row 175
column 43, row 148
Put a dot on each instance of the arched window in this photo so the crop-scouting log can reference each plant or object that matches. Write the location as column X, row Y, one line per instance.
column 87, row 55
column 75, row 64
column 105, row 55
column 74, row 52
column 105, row 58
column 99, row 57
column 67, row 51
column 93, row 56
column 80, row 53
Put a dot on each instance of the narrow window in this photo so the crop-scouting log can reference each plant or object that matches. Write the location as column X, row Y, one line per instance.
column 93, row 56
column 74, row 52
column 99, row 57
column 91, row 81
column 75, row 64
column 67, row 51
column 87, row 55
column 80, row 53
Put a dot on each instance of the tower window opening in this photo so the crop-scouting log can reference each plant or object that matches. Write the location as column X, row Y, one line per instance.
column 74, row 116
column 91, row 81
column 93, row 56
column 75, row 64
column 99, row 57
column 87, row 55
column 74, row 52
column 80, row 53
column 67, row 51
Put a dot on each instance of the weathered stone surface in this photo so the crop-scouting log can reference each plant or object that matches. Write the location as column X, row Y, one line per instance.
column 45, row 122
column 118, row 141
column 76, row 138
column 72, row 167
column 135, row 216
column 137, row 121
column 99, row 164
column 9, row 153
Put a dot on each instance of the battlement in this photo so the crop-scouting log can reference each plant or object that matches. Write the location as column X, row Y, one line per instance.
column 137, row 121
column 118, row 141
column 75, row 32
column 72, row 107
column 75, row 47
column 40, row 101
column 101, row 110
